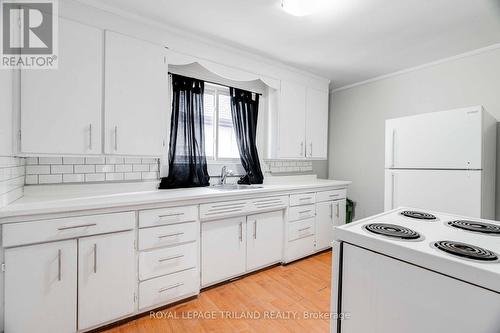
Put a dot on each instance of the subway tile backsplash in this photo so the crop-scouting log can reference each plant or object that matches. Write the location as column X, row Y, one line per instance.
column 289, row 166
column 59, row 170
column 12, row 172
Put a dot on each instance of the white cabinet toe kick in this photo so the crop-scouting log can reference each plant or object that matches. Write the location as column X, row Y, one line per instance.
column 82, row 272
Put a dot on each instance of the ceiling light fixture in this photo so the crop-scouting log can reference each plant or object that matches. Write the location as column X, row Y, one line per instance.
column 300, row 7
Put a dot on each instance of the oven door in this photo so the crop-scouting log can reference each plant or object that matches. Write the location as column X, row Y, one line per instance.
column 384, row 295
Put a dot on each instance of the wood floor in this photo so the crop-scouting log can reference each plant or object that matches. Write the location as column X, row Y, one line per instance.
column 299, row 290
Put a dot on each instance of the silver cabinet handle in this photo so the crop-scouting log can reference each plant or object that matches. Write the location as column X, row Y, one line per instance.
column 331, row 210
column 171, row 235
column 304, row 229
column 90, row 136
column 305, row 211
column 171, row 287
column 95, row 258
column 302, row 148
column 77, row 226
column 171, row 258
column 254, row 229
column 169, row 215
column 59, row 264
column 116, row 138
column 311, row 151
column 337, row 209
column 241, row 232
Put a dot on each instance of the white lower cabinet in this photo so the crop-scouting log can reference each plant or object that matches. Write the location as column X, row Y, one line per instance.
column 106, row 278
column 41, row 288
column 328, row 215
column 234, row 246
column 264, row 239
column 223, row 249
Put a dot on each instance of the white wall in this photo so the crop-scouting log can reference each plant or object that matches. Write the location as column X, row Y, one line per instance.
column 6, row 112
column 358, row 114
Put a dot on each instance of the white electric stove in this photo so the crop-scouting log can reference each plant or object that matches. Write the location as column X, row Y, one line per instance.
column 415, row 271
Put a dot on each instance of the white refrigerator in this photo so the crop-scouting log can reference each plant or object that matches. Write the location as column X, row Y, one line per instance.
column 442, row 161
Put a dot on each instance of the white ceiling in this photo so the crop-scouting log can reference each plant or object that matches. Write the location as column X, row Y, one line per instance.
column 347, row 41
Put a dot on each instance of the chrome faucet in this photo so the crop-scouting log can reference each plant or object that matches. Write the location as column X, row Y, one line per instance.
column 223, row 175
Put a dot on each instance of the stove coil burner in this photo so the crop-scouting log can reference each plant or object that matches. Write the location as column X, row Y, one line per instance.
column 466, row 251
column 418, row 215
column 392, row 230
column 481, row 227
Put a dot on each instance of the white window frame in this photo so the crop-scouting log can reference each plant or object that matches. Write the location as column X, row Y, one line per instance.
column 216, row 160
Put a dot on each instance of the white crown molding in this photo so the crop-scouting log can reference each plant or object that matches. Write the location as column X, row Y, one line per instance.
column 416, row 68
column 208, row 41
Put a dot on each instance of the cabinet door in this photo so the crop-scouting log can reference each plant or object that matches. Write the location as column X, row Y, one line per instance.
column 223, row 250
column 292, row 111
column 136, row 97
column 40, row 288
column 106, row 278
column 325, row 212
column 61, row 108
column 339, row 212
column 316, row 124
column 264, row 239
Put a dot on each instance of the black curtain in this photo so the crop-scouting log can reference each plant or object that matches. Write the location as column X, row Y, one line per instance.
column 244, row 109
column 187, row 161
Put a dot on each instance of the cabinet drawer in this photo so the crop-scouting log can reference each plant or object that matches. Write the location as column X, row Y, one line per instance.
column 167, row 289
column 166, row 261
column 270, row 203
column 301, row 212
column 15, row 234
column 300, row 248
column 302, row 199
column 223, row 209
column 168, row 235
column 301, row 229
column 331, row 195
column 156, row 217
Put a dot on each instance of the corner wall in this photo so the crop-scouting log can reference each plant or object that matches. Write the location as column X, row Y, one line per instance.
column 358, row 114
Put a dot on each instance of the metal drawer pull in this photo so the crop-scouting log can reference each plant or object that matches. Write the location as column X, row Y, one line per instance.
column 254, row 229
column 171, row 258
column 303, row 229
column 305, row 211
column 334, row 195
column 78, row 226
column 169, row 215
column 171, row 235
column 95, row 258
column 305, row 236
column 241, row 232
column 308, row 198
column 337, row 210
column 59, row 264
column 171, row 287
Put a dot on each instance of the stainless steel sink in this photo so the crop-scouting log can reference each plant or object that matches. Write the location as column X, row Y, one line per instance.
column 233, row 187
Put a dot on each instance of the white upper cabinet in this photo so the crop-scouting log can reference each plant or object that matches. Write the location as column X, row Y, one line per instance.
column 316, row 123
column 136, row 97
column 302, row 123
column 61, row 108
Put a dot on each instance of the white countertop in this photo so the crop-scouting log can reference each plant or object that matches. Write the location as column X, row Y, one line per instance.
column 44, row 200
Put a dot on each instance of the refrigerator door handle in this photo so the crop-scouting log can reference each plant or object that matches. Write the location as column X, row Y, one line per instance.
column 393, row 186
column 393, row 153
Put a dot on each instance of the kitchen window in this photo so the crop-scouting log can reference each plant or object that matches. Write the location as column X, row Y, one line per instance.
column 220, row 138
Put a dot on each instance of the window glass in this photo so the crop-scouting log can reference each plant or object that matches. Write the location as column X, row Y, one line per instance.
column 227, row 145
column 209, row 115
